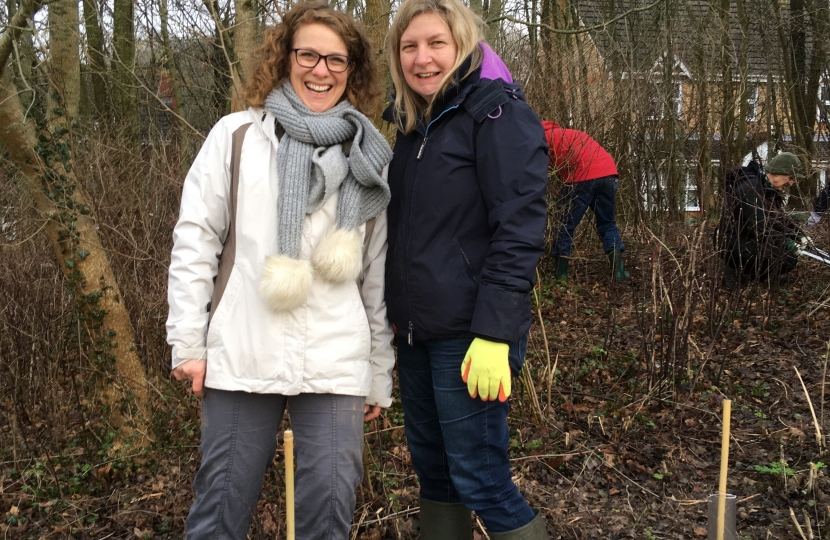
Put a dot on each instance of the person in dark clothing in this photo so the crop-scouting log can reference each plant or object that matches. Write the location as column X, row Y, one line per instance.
column 466, row 230
column 821, row 205
column 757, row 238
column 590, row 179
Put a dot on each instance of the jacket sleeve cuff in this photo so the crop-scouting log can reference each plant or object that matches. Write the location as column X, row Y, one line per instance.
column 383, row 402
column 183, row 354
column 500, row 315
column 494, row 339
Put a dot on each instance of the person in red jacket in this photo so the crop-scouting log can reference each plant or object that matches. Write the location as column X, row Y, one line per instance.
column 590, row 181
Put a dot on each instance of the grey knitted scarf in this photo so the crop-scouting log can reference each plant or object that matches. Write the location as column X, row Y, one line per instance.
column 311, row 165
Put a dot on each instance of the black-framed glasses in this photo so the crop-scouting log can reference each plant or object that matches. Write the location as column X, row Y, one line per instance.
column 337, row 63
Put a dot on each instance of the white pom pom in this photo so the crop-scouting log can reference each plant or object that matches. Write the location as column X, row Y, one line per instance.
column 285, row 282
column 338, row 256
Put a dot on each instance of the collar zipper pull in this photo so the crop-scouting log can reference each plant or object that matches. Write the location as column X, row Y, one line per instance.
column 409, row 339
column 421, row 150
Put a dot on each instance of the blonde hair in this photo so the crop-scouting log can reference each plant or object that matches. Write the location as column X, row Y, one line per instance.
column 465, row 27
column 274, row 55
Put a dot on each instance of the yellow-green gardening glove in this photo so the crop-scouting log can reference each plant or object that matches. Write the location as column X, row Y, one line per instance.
column 486, row 370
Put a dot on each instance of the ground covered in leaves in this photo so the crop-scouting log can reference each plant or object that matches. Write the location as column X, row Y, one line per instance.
column 616, row 420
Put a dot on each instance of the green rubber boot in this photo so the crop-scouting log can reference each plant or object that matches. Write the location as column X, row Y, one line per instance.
column 620, row 274
column 445, row 521
column 535, row 530
column 561, row 268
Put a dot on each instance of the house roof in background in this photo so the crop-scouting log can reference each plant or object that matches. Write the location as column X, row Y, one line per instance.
column 637, row 43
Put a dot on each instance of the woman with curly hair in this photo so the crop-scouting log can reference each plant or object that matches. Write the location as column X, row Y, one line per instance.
column 276, row 279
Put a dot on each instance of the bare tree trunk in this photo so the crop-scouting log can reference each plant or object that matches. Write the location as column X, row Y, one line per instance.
column 675, row 180
column 124, row 67
column 65, row 65
column 226, row 81
column 790, row 58
column 97, row 63
column 532, row 28
column 17, row 43
column 376, row 20
column 743, row 69
column 802, row 81
column 818, row 14
column 173, row 71
column 493, row 32
column 17, row 24
column 245, row 43
column 728, row 153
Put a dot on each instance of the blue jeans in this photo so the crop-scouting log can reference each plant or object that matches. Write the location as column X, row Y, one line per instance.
column 459, row 444
column 574, row 199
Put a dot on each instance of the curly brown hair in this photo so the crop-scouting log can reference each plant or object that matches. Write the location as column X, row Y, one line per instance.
column 274, row 55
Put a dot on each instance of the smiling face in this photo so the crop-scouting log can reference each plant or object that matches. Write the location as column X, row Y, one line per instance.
column 428, row 52
column 318, row 88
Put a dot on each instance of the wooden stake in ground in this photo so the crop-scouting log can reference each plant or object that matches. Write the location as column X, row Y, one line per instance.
column 724, row 466
column 289, row 483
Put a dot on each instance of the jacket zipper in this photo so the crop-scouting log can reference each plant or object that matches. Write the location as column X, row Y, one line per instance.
column 426, row 131
column 421, row 150
column 410, row 340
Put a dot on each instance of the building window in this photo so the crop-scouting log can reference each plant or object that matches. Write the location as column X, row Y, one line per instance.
column 659, row 102
column 823, row 101
column 677, row 99
column 752, row 103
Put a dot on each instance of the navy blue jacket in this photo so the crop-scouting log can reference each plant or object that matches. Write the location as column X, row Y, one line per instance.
column 467, row 216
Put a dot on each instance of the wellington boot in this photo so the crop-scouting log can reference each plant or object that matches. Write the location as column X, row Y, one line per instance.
column 445, row 521
column 535, row 530
column 620, row 274
column 561, row 268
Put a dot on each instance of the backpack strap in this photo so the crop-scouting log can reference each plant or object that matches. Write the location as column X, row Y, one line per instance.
column 228, row 255
column 367, row 235
column 370, row 227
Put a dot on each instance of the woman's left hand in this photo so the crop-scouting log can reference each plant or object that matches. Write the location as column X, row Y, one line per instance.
column 370, row 412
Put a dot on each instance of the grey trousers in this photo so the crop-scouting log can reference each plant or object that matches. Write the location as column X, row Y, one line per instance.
column 238, row 442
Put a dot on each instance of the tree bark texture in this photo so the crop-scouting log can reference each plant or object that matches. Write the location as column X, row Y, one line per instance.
column 173, row 72
column 245, row 43
column 65, row 64
column 124, row 67
column 226, row 81
column 97, row 62
column 376, row 20
column 18, row 22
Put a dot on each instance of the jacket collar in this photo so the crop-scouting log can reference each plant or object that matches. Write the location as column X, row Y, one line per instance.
column 266, row 122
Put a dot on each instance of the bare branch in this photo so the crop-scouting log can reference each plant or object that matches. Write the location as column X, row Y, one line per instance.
column 582, row 30
column 17, row 25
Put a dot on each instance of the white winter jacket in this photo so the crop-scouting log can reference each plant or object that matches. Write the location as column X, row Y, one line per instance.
column 338, row 342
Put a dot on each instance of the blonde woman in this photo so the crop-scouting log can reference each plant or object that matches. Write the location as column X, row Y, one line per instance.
column 466, row 225
column 292, row 313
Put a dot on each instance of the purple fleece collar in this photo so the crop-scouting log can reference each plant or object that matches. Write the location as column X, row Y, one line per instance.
column 492, row 67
